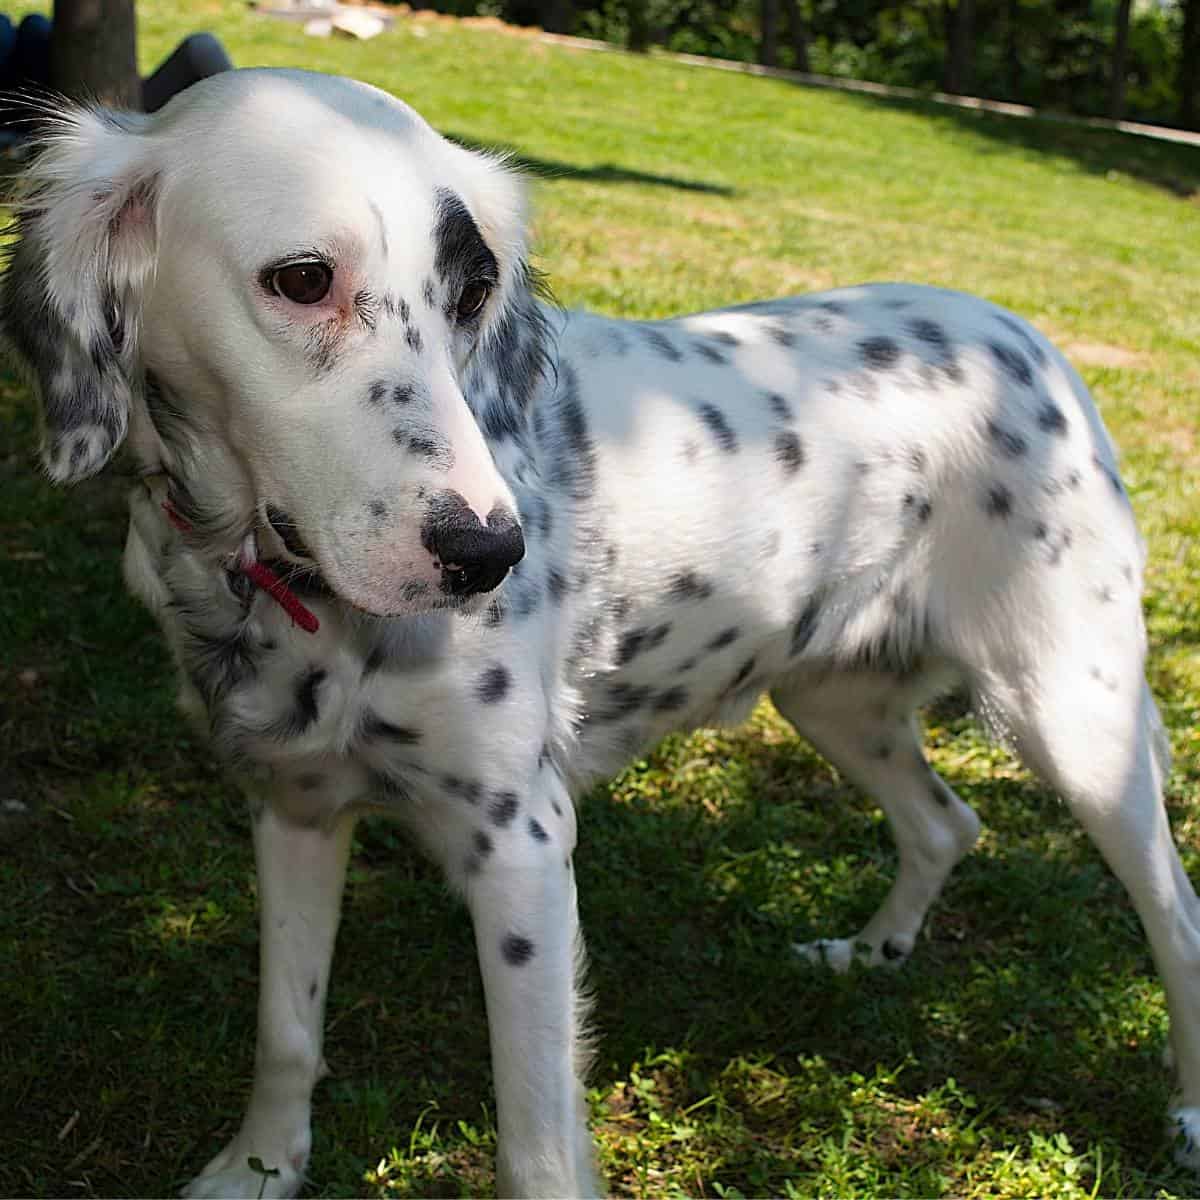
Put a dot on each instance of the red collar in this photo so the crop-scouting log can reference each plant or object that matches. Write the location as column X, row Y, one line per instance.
column 261, row 576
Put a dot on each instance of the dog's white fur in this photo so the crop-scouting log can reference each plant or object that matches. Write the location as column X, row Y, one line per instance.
column 850, row 500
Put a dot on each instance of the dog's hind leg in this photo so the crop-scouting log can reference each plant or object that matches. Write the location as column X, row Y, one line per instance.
column 864, row 724
column 1082, row 717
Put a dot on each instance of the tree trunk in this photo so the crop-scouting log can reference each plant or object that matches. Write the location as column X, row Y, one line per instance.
column 961, row 52
column 1189, row 67
column 1116, row 91
column 768, row 48
column 1012, row 53
column 93, row 52
column 799, row 35
column 558, row 16
column 639, row 26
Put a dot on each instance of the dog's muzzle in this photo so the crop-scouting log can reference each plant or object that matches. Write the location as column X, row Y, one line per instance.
column 473, row 557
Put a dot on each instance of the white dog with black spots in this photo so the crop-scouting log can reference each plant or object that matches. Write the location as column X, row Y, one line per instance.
column 423, row 544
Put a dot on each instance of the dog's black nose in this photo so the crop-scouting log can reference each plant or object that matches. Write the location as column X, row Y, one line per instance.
column 474, row 557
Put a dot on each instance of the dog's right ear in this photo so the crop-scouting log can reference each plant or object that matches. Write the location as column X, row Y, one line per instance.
column 71, row 302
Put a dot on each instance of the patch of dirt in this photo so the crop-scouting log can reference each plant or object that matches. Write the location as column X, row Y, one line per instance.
column 1101, row 354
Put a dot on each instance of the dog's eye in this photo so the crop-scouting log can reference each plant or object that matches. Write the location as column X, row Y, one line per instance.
column 472, row 299
column 302, row 283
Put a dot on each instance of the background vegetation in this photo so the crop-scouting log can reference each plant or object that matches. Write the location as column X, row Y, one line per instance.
column 1018, row 1053
column 1113, row 58
column 1108, row 58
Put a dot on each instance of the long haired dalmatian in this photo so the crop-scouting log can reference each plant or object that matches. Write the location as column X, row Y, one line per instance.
column 424, row 545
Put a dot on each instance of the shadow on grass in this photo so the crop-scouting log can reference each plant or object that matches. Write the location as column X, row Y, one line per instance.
column 545, row 168
column 134, row 980
column 1172, row 166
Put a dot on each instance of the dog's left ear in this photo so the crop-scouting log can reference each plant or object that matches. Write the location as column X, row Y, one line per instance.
column 71, row 302
column 495, row 197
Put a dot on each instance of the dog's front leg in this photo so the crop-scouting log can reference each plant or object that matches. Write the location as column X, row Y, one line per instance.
column 520, row 887
column 300, row 877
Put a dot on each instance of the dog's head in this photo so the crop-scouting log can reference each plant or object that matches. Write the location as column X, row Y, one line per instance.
column 274, row 286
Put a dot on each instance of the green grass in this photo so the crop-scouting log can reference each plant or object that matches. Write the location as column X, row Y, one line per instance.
column 1017, row 1054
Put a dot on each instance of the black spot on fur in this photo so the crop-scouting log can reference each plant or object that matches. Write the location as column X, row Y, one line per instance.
column 661, row 344
column 891, row 952
column 931, row 333
column 573, row 459
column 780, row 409
column 493, row 684
column 623, row 700
column 637, row 641
column 672, row 700
column 715, row 421
column 556, row 584
column 999, row 501
column 536, row 831
column 805, row 626
column 1013, row 362
column 744, row 672
column 688, row 585
column 879, row 353
column 470, row 790
column 373, row 727
column 725, row 638
column 516, row 950
column 431, row 447
column 503, row 808
column 789, row 452
column 1052, row 420
column 1010, row 442
column 710, row 352
column 481, row 848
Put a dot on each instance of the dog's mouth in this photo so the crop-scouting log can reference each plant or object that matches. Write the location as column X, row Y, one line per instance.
column 291, row 583
column 467, row 558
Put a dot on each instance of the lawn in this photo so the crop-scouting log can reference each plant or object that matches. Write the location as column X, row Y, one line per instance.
column 1018, row 1053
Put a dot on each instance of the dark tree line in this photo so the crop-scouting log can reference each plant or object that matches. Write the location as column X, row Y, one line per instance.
column 1094, row 57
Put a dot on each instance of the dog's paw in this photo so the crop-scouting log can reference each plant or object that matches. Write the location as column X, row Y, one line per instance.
column 236, row 1175
column 837, row 954
column 1184, row 1127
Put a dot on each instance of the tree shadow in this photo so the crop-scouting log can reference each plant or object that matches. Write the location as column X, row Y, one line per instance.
column 1172, row 166
column 546, row 168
